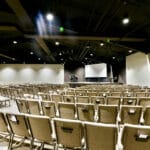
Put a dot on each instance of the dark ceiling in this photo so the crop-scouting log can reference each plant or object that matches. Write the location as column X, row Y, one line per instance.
column 86, row 25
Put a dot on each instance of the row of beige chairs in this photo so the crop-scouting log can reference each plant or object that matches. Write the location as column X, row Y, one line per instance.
column 71, row 133
column 107, row 93
column 116, row 100
column 87, row 112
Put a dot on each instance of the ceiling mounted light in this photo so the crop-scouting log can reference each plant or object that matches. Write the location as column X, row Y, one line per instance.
column 15, row 42
column 57, row 43
column 60, row 54
column 130, row 51
column 31, row 53
column 49, row 17
column 125, row 20
column 101, row 44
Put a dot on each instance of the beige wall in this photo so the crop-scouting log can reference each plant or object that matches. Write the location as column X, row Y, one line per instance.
column 33, row 73
column 138, row 69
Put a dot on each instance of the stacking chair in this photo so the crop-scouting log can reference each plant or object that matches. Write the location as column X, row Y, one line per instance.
column 97, row 100
column 56, row 98
column 107, row 114
column 34, row 107
column 48, row 108
column 140, row 94
column 70, row 93
column 146, row 115
column 69, row 133
column 41, row 130
column 82, row 99
column 5, row 133
column 69, row 98
column 22, row 105
column 129, row 101
column 144, row 101
column 116, row 94
column 113, row 100
column 100, row 136
column 80, row 92
column 135, row 137
column 19, row 128
column 85, row 112
column 128, row 94
column 44, row 96
column 130, row 114
column 66, row 110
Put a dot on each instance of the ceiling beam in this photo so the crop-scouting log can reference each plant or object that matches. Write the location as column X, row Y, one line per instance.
column 22, row 15
column 90, row 38
column 44, row 47
column 8, row 28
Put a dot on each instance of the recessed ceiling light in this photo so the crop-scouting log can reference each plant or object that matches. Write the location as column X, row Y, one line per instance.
column 130, row 51
column 60, row 54
column 49, row 17
column 31, row 53
column 113, row 57
column 13, row 58
column 39, row 58
column 15, row 42
column 125, row 21
column 61, row 59
column 87, row 46
column 91, row 54
column 86, row 58
column 57, row 43
column 101, row 44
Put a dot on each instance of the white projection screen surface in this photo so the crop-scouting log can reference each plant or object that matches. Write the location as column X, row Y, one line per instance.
column 96, row 70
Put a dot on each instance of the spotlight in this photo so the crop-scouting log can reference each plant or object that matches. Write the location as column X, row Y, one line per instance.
column 15, row 42
column 57, row 43
column 49, row 17
column 101, row 44
column 125, row 21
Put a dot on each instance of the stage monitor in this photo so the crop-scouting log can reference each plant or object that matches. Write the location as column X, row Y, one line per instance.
column 96, row 70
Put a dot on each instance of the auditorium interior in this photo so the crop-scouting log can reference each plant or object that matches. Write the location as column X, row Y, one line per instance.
column 75, row 74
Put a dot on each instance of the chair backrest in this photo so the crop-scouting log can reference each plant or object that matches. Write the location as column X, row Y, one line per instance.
column 69, row 133
column 41, row 128
column 97, row 100
column 113, row 100
column 130, row 114
column 146, row 115
column 69, row 98
column 22, row 105
column 56, row 98
column 3, row 123
column 45, row 96
column 48, row 108
column 128, row 94
column 34, row 107
column 100, row 136
column 135, row 137
column 85, row 112
column 107, row 113
column 66, row 110
column 18, row 124
column 82, row 99
column 140, row 94
column 129, row 101
column 144, row 101
column 119, row 94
